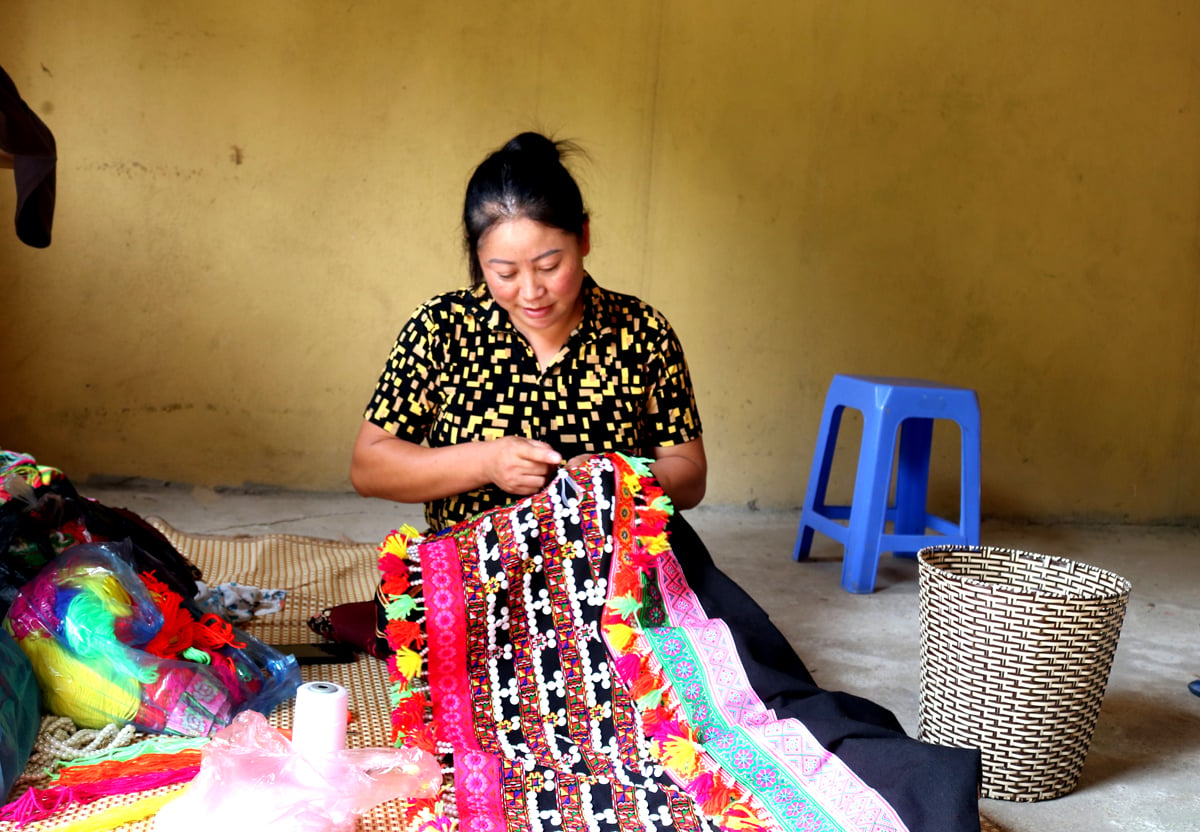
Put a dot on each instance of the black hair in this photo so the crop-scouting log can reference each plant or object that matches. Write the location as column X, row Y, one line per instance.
column 524, row 179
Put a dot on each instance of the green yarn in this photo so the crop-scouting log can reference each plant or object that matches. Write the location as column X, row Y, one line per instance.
column 154, row 745
column 89, row 628
column 194, row 654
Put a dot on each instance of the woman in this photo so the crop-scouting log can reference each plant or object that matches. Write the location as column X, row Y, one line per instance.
column 493, row 377
column 490, row 390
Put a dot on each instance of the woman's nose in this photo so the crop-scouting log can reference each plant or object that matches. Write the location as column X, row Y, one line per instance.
column 530, row 287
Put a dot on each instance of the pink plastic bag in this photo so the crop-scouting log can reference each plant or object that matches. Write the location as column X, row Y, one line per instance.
column 251, row 777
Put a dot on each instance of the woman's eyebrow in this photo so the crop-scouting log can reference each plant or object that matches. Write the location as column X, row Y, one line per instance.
column 500, row 262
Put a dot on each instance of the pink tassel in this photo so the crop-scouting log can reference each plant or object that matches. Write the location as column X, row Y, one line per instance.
column 701, row 788
column 671, row 728
column 38, row 804
column 629, row 667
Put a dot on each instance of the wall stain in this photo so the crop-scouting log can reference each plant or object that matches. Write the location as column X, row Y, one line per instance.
column 128, row 169
column 235, row 154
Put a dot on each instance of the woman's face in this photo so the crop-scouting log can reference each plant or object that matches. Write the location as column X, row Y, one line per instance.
column 535, row 272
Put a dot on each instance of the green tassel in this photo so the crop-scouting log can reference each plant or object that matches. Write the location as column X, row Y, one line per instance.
column 640, row 465
column 401, row 607
column 663, row 503
column 650, row 700
column 624, row 605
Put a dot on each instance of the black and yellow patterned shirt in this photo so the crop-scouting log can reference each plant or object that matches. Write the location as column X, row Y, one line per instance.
column 460, row 372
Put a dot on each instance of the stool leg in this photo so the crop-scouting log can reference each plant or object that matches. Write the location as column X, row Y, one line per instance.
column 971, row 472
column 818, row 478
column 870, row 504
column 912, row 478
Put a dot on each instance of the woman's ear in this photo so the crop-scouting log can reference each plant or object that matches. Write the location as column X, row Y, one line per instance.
column 585, row 239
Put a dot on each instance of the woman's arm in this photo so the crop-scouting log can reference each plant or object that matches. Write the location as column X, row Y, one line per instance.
column 682, row 471
column 384, row 465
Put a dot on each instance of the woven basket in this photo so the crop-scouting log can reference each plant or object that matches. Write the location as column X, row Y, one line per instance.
column 1016, row 650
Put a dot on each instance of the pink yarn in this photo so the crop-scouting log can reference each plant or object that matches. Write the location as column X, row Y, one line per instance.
column 38, row 804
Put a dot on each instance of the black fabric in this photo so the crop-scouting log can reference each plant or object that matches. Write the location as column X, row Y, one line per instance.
column 932, row 787
column 35, row 161
column 34, row 523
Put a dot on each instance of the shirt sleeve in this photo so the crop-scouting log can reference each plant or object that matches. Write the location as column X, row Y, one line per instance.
column 406, row 397
column 673, row 415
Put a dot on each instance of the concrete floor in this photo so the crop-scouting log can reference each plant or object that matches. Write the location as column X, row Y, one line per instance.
column 1143, row 770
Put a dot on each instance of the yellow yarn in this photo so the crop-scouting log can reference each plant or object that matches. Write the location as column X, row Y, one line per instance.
column 118, row 815
column 104, row 585
column 72, row 689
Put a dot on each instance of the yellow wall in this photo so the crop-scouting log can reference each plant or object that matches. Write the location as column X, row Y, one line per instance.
column 252, row 197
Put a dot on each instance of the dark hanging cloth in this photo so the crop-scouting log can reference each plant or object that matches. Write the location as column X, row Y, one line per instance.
column 35, row 157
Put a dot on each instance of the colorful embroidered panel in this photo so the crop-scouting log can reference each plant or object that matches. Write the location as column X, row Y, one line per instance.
column 580, row 686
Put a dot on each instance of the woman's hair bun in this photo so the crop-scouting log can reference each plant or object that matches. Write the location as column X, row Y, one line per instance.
column 535, row 144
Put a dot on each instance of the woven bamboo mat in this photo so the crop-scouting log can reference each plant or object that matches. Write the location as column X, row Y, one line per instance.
column 317, row 573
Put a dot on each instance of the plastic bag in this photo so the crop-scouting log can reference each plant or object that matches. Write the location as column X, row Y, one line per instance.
column 251, row 777
column 20, row 714
column 41, row 515
column 109, row 645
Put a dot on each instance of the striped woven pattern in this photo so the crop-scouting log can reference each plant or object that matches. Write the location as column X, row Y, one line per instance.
column 1016, row 650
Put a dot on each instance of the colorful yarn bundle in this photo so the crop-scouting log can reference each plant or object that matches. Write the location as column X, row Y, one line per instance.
column 148, row 765
column 108, row 645
column 38, row 804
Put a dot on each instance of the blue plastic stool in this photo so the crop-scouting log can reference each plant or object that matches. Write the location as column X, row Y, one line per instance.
column 890, row 407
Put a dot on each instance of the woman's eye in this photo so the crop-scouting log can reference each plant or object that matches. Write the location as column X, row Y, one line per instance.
column 505, row 276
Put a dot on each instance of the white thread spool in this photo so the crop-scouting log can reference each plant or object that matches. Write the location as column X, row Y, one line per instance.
column 319, row 721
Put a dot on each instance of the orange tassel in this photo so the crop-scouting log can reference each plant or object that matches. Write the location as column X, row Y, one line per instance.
column 644, row 684
column 718, row 798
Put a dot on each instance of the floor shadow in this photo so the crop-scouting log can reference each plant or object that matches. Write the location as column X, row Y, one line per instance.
column 1137, row 731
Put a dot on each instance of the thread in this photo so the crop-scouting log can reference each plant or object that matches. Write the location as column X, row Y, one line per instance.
column 111, row 769
column 319, row 723
column 120, row 815
column 38, row 804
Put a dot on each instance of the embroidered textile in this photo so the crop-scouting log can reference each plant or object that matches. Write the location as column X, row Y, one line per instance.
column 581, row 687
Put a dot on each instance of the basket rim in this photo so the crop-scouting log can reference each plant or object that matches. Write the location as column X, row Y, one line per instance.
column 1121, row 594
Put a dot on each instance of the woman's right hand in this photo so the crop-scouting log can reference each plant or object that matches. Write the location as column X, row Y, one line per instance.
column 521, row 466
